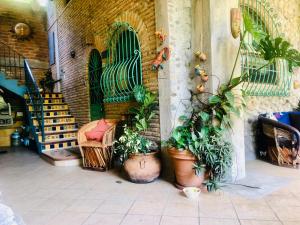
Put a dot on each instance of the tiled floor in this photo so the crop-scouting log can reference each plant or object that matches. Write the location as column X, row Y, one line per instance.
column 46, row 195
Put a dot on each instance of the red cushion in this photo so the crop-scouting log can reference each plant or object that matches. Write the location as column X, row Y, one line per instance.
column 97, row 132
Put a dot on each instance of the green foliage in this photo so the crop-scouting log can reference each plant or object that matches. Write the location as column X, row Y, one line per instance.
column 251, row 27
column 132, row 142
column 203, row 133
column 147, row 101
column 48, row 83
column 139, row 93
column 278, row 48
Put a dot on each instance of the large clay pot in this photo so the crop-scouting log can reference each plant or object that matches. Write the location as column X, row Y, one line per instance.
column 183, row 162
column 143, row 168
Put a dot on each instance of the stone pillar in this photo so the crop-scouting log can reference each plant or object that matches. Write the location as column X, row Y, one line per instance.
column 194, row 25
column 222, row 56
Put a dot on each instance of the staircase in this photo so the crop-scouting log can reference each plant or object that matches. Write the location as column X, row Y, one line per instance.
column 52, row 126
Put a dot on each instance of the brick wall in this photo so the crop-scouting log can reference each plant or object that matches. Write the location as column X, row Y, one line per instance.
column 36, row 48
column 78, row 18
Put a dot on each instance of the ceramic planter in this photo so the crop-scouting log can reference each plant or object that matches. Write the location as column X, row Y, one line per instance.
column 143, row 168
column 183, row 162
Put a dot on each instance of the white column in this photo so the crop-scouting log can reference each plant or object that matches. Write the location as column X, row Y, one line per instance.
column 223, row 52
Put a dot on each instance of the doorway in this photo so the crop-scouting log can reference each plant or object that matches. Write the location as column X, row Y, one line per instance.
column 96, row 94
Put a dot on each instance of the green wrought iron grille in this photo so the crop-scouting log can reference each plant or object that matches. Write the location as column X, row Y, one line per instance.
column 96, row 95
column 123, row 70
column 274, row 80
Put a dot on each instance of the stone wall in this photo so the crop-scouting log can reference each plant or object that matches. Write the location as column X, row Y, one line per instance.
column 36, row 48
column 78, row 19
column 288, row 15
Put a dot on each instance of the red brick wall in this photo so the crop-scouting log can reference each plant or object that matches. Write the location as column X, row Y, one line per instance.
column 36, row 48
column 78, row 17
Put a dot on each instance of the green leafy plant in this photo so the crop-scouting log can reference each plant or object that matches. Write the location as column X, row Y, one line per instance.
column 144, row 111
column 48, row 83
column 132, row 141
column 203, row 133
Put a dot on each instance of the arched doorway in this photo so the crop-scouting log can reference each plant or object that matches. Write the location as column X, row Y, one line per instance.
column 96, row 94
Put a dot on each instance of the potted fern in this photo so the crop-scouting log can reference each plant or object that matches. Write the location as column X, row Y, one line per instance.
column 138, row 154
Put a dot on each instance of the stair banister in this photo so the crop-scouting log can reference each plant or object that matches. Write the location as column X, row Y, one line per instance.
column 35, row 97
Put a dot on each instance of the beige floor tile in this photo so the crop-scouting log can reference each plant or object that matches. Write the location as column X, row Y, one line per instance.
column 260, row 222
column 254, row 211
column 291, row 222
column 111, row 206
column 92, row 194
column 188, row 209
column 53, row 205
column 84, row 205
column 105, row 219
column 287, row 213
column 24, row 204
column 141, row 220
column 242, row 200
column 282, row 201
column 214, row 198
column 147, row 208
column 38, row 217
column 211, row 221
column 69, row 194
column 68, row 218
column 173, row 220
column 222, row 210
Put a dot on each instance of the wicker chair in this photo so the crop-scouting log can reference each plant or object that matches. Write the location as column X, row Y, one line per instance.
column 97, row 155
column 281, row 140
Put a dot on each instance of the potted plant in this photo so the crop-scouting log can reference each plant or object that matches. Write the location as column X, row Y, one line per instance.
column 48, row 83
column 199, row 148
column 138, row 154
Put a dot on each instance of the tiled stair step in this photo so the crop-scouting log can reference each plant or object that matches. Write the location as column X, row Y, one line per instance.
column 48, row 96
column 53, row 100
column 59, row 127
column 53, row 95
column 58, row 135
column 53, row 120
column 50, row 101
column 51, row 107
column 63, row 157
column 52, row 113
column 59, row 144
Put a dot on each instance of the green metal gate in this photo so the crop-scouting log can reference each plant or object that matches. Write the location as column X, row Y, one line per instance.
column 123, row 70
column 274, row 80
column 96, row 95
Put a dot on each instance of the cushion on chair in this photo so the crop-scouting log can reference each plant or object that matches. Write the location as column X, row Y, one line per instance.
column 283, row 117
column 97, row 133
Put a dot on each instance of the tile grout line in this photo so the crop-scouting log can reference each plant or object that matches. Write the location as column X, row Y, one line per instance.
column 199, row 222
column 127, row 212
column 238, row 218
column 273, row 211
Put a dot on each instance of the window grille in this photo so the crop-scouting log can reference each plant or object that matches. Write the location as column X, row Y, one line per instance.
column 273, row 80
column 123, row 70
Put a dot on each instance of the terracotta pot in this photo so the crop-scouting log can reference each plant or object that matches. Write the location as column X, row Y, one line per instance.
column 183, row 162
column 143, row 168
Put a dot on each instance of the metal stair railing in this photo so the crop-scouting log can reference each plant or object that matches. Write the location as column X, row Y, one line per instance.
column 35, row 97
column 11, row 62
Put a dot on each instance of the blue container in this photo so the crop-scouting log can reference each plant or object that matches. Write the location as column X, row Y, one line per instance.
column 16, row 139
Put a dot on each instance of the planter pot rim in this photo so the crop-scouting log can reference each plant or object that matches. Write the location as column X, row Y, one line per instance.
column 176, row 151
column 144, row 154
